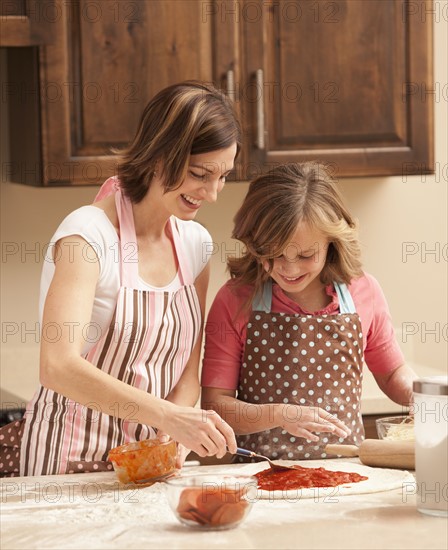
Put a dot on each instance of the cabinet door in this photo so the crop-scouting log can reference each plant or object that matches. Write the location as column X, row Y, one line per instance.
column 346, row 82
column 226, row 43
column 108, row 58
column 27, row 22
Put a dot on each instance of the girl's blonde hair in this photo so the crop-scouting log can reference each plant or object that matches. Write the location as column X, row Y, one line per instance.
column 184, row 119
column 273, row 207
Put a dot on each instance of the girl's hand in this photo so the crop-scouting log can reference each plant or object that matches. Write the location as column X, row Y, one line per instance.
column 302, row 421
column 203, row 432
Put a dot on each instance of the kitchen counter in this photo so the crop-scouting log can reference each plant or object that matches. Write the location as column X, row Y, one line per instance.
column 95, row 511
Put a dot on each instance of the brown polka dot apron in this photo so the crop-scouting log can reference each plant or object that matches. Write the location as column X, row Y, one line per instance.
column 307, row 360
column 148, row 344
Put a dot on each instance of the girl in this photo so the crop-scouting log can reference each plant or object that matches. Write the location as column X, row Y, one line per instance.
column 124, row 287
column 287, row 336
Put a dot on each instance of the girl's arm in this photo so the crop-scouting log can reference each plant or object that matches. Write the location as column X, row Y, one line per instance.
column 383, row 352
column 247, row 418
column 397, row 385
column 68, row 307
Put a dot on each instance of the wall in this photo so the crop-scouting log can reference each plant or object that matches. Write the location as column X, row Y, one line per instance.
column 403, row 233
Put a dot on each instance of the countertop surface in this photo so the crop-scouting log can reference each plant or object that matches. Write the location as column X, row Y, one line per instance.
column 95, row 511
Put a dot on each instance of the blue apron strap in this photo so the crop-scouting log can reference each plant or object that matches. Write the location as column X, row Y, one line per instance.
column 346, row 304
column 263, row 300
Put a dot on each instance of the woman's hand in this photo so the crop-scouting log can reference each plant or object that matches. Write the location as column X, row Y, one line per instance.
column 182, row 451
column 201, row 431
column 302, row 421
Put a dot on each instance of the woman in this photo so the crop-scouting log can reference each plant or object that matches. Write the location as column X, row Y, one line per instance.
column 123, row 296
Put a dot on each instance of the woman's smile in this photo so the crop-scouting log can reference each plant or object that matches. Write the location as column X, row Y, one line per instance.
column 191, row 202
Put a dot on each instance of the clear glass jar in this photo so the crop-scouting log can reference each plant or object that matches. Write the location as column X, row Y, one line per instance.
column 431, row 444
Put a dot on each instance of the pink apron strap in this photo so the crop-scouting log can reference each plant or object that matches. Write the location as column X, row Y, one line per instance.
column 185, row 274
column 129, row 250
column 128, row 242
column 109, row 187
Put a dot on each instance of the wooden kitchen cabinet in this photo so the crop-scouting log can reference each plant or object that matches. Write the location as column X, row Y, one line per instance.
column 107, row 59
column 347, row 82
column 27, row 22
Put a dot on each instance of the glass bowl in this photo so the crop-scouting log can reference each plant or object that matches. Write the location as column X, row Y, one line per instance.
column 396, row 428
column 211, row 502
column 145, row 461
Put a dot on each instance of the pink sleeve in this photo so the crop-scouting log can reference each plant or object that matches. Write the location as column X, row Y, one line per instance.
column 225, row 336
column 382, row 353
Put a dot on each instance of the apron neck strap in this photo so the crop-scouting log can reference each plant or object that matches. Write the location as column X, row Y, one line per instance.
column 185, row 273
column 129, row 248
column 346, row 304
column 128, row 242
column 263, row 299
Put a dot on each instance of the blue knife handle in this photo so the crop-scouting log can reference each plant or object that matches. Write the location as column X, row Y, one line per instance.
column 243, row 452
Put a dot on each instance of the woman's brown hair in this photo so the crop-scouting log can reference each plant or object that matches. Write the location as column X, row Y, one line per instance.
column 274, row 205
column 184, row 119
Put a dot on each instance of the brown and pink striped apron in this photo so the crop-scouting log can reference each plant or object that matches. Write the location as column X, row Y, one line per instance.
column 148, row 344
column 305, row 360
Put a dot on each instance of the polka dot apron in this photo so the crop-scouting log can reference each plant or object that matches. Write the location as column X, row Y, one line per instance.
column 308, row 360
column 147, row 345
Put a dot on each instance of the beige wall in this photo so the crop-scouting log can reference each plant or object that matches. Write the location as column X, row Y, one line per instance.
column 395, row 215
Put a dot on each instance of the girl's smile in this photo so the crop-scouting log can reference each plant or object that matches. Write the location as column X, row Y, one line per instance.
column 293, row 280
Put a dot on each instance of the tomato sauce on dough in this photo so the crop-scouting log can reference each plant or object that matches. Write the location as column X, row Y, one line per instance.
column 301, row 478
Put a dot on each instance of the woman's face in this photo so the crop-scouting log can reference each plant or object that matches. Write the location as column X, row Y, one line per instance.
column 297, row 270
column 205, row 178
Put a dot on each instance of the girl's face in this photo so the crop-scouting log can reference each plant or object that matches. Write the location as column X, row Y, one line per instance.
column 297, row 270
column 205, row 178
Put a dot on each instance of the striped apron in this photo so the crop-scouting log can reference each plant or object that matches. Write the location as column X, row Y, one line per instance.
column 305, row 360
column 148, row 344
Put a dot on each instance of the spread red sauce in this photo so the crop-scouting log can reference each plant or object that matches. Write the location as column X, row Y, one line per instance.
column 301, row 478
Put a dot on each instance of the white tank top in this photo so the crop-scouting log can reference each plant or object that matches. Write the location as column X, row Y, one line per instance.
column 92, row 224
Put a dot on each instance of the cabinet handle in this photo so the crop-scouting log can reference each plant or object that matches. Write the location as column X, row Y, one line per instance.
column 230, row 84
column 260, row 109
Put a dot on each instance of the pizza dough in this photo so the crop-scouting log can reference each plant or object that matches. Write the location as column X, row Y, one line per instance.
column 379, row 479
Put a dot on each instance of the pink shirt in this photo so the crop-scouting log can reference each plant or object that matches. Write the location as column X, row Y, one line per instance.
column 225, row 329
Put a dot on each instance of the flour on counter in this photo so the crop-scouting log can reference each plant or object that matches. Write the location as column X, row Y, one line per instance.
column 100, row 503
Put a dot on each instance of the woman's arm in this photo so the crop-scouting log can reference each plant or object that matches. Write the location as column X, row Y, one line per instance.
column 247, row 418
column 68, row 307
column 186, row 391
column 397, row 384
